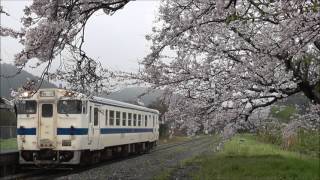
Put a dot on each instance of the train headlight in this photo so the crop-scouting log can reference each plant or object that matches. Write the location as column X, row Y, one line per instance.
column 69, row 93
column 26, row 94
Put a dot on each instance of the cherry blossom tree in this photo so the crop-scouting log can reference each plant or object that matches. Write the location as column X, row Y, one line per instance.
column 183, row 114
column 228, row 57
column 251, row 54
column 52, row 26
column 232, row 57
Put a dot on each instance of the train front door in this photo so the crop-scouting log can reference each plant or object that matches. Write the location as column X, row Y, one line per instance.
column 47, row 133
column 90, row 127
column 94, row 128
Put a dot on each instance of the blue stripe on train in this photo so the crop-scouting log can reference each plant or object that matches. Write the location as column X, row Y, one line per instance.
column 84, row 131
column 72, row 131
column 26, row 131
column 124, row 130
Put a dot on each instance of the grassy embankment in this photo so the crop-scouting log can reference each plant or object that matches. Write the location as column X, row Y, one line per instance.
column 8, row 144
column 246, row 158
column 8, row 119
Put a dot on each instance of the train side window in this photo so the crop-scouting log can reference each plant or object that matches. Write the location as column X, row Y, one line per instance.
column 145, row 120
column 106, row 117
column 153, row 120
column 142, row 122
column 90, row 112
column 124, row 118
column 134, row 119
column 95, row 116
column 118, row 118
column 111, row 118
column 129, row 119
column 84, row 107
column 139, row 119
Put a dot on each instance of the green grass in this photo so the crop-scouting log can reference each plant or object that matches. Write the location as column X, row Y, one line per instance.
column 165, row 174
column 245, row 158
column 8, row 144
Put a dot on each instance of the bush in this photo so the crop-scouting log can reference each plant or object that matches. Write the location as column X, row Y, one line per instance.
column 8, row 118
column 163, row 131
column 270, row 133
column 304, row 141
column 307, row 142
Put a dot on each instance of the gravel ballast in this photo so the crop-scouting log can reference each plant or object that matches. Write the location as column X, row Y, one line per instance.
column 147, row 166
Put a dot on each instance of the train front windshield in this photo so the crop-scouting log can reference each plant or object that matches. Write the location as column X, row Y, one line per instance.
column 27, row 107
column 69, row 107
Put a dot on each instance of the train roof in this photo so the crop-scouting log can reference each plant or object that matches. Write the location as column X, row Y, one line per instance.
column 101, row 100
column 122, row 104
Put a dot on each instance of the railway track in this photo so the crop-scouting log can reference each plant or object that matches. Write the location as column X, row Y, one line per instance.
column 168, row 146
column 38, row 174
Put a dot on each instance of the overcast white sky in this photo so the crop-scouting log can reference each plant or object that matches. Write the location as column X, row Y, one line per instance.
column 117, row 41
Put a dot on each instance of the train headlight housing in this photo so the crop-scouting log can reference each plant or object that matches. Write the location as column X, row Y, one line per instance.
column 66, row 142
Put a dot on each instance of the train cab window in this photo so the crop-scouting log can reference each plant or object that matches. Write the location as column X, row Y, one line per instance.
column 47, row 110
column 111, row 118
column 153, row 120
column 27, row 107
column 139, row 119
column 129, row 119
column 145, row 120
column 118, row 118
column 95, row 116
column 69, row 107
column 124, row 118
column 134, row 119
column 106, row 117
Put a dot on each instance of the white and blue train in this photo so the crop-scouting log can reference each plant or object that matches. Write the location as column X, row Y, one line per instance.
column 58, row 126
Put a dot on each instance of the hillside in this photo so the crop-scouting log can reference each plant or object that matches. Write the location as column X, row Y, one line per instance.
column 126, row 95
column 130, row 95
column 17, row 81
column 299, row 100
